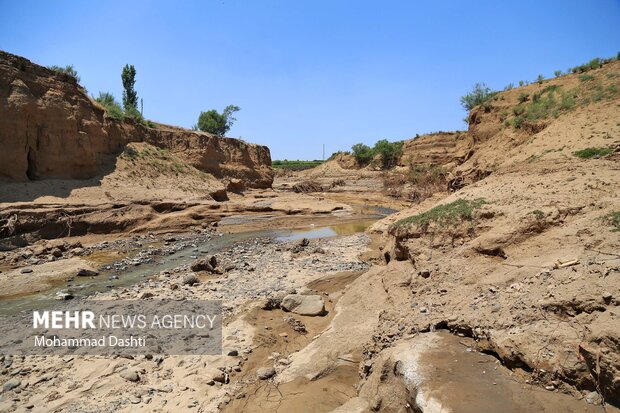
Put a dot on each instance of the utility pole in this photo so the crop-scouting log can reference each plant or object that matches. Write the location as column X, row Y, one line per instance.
column 141, row 106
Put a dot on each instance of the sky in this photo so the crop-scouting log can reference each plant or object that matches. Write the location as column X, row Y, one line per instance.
column 311, row 73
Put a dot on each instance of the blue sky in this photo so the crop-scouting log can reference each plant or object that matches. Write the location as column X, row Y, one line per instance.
column 307, row 73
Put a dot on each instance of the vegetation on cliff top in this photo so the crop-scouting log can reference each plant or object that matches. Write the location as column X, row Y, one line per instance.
column 217, row 123
column 67, row 70
column 388, row 153
column 295, row 165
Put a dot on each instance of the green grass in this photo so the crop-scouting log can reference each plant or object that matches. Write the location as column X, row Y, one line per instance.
column 586, row 78
column 459, row 210
column 295, row 165
column 613, row 219
column 538, row 214
column 593, row 152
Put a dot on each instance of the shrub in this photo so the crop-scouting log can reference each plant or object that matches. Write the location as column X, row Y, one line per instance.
column 480, row 94
column 557, row 73
column 595, row 63
column 518, row 110
column 517, row 122
column 567, row 101
column 133, row 114
column 523, row 97
column 112, row 107
column 521, row 82
column 540, row 79
column 593, row 152
column 363, row 154
column 217, row 123
column 388, row 151
column 509, row 86
column 67, row 70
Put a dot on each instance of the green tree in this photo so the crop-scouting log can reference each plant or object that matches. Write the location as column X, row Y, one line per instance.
column 130, row 97
column 362, row 153
column 480, row 94
column 389, row 152
column 217, row 123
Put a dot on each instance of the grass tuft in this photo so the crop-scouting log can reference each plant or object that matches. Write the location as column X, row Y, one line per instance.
column 613, row 219
column 593, row 152
column 461, row 209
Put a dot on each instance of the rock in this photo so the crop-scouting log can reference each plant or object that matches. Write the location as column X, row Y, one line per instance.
column 216, row 375
column 77, row 251
column 213, row 261
column 607, row 296
column 146, row 295
column 265, row 373
column 309, row 305
column 233, row 353
column 56, row 252
column 130, row 375
column 83, row 272
column 593, row 398
column 424, row 273
column 133, row 399
column 190, row 279
column 64, row 295
column 307, row 186
column 26, row 270
column 11, row 384
column 202, row 264
column 270, row 303
column 235, row 185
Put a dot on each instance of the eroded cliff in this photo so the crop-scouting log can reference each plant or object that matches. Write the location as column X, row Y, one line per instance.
column 51, row 129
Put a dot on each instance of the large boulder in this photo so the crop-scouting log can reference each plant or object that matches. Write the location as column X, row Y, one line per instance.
column 310, row 305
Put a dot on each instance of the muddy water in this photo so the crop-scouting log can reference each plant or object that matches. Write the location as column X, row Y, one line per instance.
column 84, row 286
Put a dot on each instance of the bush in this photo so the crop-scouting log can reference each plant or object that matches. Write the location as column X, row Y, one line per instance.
column 388, row 151
column 67, row 70
column 363, row 154
column 112, row 107
column 557, row 73
column 480, row 94
column 540, row 79
column 523, row 97
column 133, row 114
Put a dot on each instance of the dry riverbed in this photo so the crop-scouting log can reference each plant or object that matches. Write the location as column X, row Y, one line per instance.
column 253, row 270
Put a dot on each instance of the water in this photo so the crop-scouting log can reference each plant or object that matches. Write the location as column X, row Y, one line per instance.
column 84, row 286
column 347, row 228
